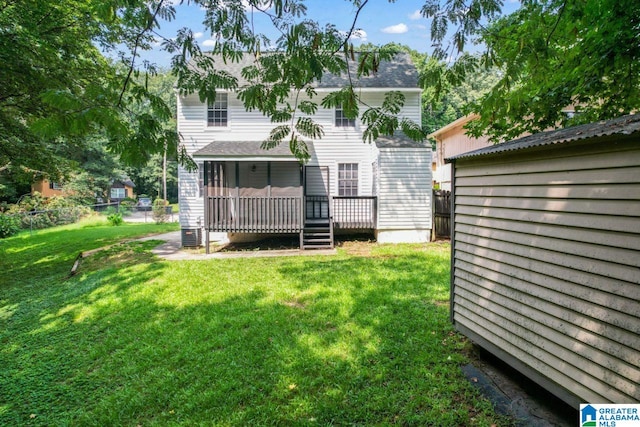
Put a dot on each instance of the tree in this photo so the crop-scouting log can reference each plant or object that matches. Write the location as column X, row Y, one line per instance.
column 553, row 54
column 59, row 88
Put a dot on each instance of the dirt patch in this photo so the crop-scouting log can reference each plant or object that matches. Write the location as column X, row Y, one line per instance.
column 515, row 395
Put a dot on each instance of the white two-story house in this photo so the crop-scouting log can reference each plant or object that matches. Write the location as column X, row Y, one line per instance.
column 347, row 185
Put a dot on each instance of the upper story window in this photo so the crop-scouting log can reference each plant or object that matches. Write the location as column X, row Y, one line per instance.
column 347, row 179
column 218, row 111
column 342, row 120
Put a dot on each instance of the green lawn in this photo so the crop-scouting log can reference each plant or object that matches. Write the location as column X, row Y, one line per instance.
column 130, row 340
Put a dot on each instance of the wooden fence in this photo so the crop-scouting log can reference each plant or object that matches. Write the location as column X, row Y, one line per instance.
column 442, row 214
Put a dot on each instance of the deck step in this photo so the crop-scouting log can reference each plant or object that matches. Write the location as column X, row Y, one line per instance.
column 317, row 235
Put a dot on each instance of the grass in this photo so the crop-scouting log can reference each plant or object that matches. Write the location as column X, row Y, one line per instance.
column 361, row 338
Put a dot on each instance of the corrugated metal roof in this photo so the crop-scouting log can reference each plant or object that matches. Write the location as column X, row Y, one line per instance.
column 399, row 73
column 243, row 149
column 624, row 125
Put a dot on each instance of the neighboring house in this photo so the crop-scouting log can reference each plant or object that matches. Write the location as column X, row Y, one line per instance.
column 546, row 257
column 47, row 188
column 246, row 192
column 121, row 189
column 451, row 140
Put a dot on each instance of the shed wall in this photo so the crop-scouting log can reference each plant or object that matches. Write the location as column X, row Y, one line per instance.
column 546, row 265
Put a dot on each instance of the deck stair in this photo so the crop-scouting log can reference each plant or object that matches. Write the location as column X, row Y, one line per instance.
column 317, row 234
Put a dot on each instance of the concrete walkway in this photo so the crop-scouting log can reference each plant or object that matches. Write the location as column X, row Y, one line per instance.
column 171, row 250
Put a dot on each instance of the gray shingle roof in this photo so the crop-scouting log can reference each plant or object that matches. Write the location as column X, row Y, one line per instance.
column 243, row 149
column 625, row 125
column 399, row 140
column 399, row 73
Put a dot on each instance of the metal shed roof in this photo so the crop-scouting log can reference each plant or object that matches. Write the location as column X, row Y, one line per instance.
column 625, row 125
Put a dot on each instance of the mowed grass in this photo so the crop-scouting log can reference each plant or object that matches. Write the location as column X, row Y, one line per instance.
column 353, row 339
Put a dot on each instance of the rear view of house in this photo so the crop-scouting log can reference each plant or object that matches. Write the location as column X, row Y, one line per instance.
column 247, row 192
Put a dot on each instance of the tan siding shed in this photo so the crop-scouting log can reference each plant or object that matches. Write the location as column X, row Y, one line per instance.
column 546, row 258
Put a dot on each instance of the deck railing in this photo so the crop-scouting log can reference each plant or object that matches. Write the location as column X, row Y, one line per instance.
column 355, row 212
column 254, row 214
column 232, row 214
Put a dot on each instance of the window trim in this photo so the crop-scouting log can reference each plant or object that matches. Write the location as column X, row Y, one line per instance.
column 339, row 119
column 348, row 182
column 118, row 190
column 210, row 107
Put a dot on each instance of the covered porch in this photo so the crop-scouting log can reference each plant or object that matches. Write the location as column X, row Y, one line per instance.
column 251, row 191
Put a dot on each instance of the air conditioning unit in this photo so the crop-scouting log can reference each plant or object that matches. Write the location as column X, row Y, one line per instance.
column 191, row 237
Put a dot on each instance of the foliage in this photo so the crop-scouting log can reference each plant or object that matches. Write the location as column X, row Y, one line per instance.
column 115, row 219
column 58, row 87
column 9, row 225
column 160, row 210
column 35, row 211
column 554, row 55
column 131, row 340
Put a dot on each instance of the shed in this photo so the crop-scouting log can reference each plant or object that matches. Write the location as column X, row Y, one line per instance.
column 546, row 257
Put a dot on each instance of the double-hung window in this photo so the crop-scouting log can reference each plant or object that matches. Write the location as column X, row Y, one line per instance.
column 218, row 111
column 118, row 193
column 348, row 179
column 342, row 120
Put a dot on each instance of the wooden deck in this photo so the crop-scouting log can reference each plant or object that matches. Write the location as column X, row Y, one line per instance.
column 231, row 214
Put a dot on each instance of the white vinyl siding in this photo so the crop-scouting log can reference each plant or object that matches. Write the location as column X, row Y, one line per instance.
column 404, row 188
column 546, row 265
column 338, row 145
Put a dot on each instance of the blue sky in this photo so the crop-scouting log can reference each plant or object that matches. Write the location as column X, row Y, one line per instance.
column 380, row 21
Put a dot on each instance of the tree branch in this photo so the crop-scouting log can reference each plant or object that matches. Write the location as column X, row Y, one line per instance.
column 148, row 27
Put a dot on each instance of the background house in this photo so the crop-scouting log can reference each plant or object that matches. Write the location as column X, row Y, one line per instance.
column 121, row 189
column 47, row 188
column 545, row 257
column 245, row 192
column 451, row 140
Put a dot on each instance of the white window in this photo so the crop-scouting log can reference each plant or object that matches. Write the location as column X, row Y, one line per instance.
column 348, row 179
column 218, row 111
column 118, row 193
column 342, row 120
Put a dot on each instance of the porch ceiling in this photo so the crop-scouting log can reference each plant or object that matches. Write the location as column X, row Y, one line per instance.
column 244, row 151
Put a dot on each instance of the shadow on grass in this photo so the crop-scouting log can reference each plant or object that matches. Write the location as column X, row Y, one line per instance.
column 291, row 341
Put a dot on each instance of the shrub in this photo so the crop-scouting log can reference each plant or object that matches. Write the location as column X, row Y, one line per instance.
column 9, row 225
column 115, row 219
column 160, row 210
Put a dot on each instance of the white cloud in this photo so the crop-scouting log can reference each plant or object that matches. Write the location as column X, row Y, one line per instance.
column 360, row 35
column 396, row 29
column 415, row 15
column 198, row 35
column 209, row 43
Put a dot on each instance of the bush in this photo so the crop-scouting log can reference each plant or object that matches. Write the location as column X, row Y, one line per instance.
column 115, row 219
column 9, row 225
column 37, row 212
column 160, row 210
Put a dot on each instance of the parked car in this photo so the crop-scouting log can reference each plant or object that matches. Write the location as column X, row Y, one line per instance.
column 144, row 204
